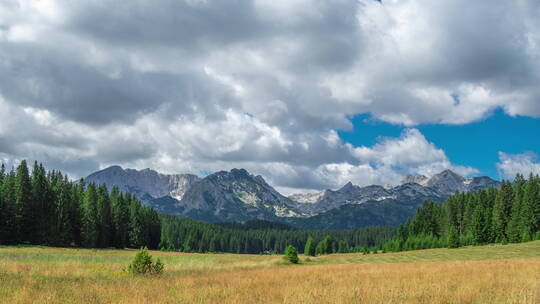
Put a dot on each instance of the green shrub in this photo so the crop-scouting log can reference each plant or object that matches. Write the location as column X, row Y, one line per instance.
column 291, row 254
column 143, row 263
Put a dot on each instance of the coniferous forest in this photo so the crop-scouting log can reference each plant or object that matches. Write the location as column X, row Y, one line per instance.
column 45, row 208
column 510, row 214
column 257, row 236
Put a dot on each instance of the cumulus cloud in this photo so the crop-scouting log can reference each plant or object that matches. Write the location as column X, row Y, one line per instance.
column 197, row 86
column 511, row 164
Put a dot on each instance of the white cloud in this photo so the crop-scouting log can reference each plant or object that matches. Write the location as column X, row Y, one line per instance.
column 190, row 86
column 511, row 164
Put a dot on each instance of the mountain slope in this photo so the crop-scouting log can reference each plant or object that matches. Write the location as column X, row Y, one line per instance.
column 146, row 184
column 235, row 196
column 239, row 196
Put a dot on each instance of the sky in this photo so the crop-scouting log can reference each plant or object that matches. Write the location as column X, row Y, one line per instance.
column 310, row 94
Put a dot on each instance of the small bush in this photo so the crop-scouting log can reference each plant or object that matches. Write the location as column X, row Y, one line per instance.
column 291, row 254
column 143, row 263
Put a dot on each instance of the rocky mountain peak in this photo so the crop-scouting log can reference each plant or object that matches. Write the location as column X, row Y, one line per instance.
column 348, row 187
column 418, row 179
column 145, row 184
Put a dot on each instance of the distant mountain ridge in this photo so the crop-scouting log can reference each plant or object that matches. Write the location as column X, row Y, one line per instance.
column 237, row 195
column 146, row 184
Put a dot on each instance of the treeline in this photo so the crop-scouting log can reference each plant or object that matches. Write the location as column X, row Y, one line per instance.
column 257, row 236
column 45, row 208
column 509, row 214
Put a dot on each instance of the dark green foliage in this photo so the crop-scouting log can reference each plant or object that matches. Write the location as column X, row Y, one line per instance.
column 480, row 224
column 45, row 208
column 105, row 224
column 58, row 212
column 309, row 249
column 324, row 246
column 508, row 214
column 188, row 235
column 25, row 217
column 502, row 211
column 453, row 238
column 143, row 264
column 291, row 254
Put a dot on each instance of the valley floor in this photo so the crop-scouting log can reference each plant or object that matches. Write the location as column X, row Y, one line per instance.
column 486, row 274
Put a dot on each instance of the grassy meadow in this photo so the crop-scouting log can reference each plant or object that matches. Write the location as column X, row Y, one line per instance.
column 487, row 274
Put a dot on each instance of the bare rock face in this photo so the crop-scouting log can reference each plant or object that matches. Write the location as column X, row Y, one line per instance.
column 146, row 184
column 239, row 196
column 236, row 196
column 418, row 179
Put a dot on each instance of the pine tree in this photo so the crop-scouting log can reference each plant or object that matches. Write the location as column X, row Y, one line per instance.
column 502, row 212
column 514, row 228
column 120, row 213
column 453, row 238
column 9, row 233
column 528, row 216
column 105, row 219
column 63, row 198
column 25, row 218
column 480, row 228
column 324, row 246
column 90, row 221
column 42, row 207
column 309, row 249
column 3, row 209
column 76, row 211
column 291, row 254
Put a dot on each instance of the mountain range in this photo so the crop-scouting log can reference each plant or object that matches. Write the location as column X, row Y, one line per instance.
column 237, row 196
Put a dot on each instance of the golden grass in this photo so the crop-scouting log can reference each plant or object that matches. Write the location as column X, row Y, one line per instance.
column 489, row 274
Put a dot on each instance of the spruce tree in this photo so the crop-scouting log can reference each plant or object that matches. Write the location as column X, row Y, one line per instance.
column 291, row 254
column 453, row 238
column 531, row 202
column 3, row 209
column 43, row 209
column 502, row 212
column 9, row 233
column 480, row 228
column 528, row 216
column 514, row 228
column 25, row 218
column 309, row 249
column 120, row 213
column 63, row 221
column 105, row 219
column 90, row 221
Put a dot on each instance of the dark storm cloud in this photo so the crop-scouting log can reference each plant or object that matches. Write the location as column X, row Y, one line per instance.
column 58, row 80
column 192, row 25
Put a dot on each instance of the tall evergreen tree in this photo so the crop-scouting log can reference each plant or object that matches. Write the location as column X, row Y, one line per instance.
column 25, row 218
column 453, row 238
column 502, row 212
column 9, row 227
column 42, row 207
column 480, row 224
column 120, row 214
column 63, row 201
column 528, row 208
column 514, row 228
column 90, row 220
column 106, row 227
column 3, row 209
column 309, row 249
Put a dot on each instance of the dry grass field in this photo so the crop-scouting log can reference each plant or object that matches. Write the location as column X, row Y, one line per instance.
column 488, row 274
